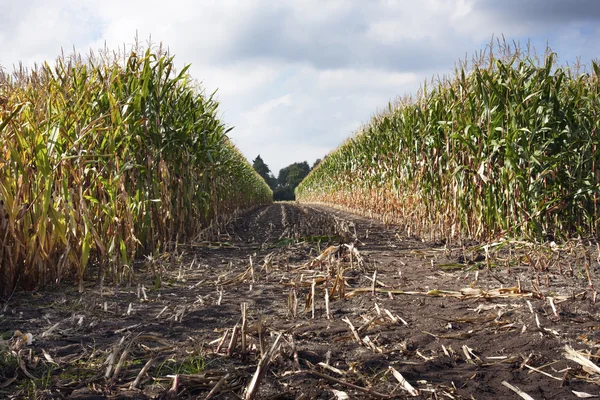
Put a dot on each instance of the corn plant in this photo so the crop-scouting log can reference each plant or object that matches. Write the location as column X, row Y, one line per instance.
column 105, row 157
column 507, row 146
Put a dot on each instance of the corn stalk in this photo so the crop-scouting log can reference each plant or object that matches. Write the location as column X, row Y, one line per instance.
column 507, row 146
column 103, row 157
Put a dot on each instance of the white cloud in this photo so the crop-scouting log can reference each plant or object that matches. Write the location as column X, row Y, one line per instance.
column 32, row 32
column 364, row 79
column 271, row 105
column 242, row 79
column 258, row 119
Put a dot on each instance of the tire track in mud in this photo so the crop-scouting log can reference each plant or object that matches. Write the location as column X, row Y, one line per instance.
column 285, row 258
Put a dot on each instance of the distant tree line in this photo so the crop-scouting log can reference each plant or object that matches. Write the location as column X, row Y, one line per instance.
column 289, row 177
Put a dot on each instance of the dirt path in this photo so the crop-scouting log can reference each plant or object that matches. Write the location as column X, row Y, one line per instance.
column 451, row 322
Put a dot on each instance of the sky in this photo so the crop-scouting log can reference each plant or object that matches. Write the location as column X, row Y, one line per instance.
column 295, row 78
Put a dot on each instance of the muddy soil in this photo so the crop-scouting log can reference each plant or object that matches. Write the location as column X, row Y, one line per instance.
column 336, row 306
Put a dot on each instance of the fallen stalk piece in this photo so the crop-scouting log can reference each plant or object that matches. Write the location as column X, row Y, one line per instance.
column 463, row 293
column 350, row 385
column 580, row 359
column 517, row 391
column 404, row 383
column 141, row 374
column 215, row 389
column 261, row 369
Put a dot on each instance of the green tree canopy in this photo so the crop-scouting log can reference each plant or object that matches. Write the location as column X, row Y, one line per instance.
column 288, row 178
column 293, row 174
column 264, row 171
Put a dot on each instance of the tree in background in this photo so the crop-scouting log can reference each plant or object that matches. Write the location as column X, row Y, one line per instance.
column 293, row 174
column 288, row 178
column 284, row 193
column 264, row 171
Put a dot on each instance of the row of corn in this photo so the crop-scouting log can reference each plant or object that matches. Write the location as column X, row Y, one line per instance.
column 106, row 157
column 509, row 145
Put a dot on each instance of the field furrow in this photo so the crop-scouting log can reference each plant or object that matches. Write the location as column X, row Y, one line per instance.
column 303, row 301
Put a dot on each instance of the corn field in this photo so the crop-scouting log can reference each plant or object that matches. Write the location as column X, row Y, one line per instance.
column 507, row 146
column 105, row 157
